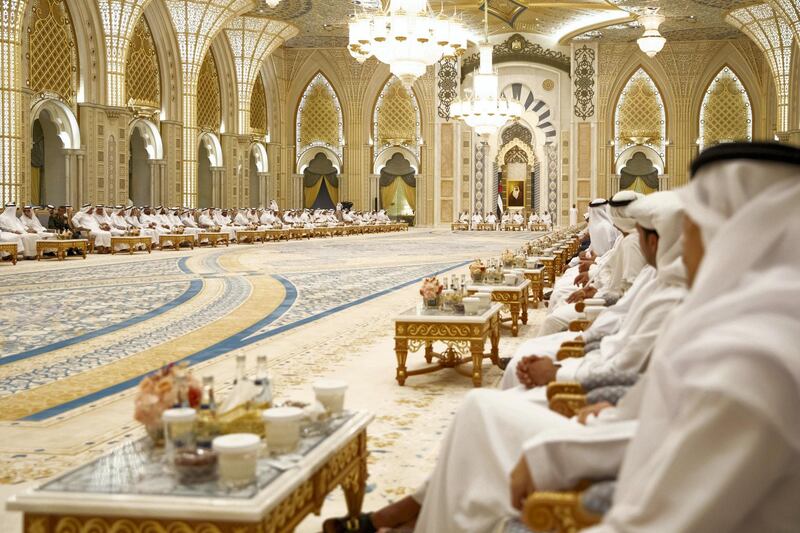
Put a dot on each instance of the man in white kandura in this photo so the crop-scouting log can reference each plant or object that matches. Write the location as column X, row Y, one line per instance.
column 573, row 215
column 610, row 278
column 8, row 235
column 658, row 219
column 725, row 370
column 10, row 223
column 32, row 223
column 84, row 220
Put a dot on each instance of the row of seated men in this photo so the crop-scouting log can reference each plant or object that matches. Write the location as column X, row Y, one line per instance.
column 102, row 222
column 690, row 373
column 517, row 217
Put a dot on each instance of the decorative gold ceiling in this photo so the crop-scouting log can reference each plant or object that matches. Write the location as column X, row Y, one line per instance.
column 323, row 23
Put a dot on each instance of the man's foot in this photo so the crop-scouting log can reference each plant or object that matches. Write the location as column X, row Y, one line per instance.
column 340, row 525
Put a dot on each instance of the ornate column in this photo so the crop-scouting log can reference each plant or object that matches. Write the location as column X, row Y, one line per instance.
column 374, row 191
column 296, row 200
column 158, row 183
column 261, row 201
column 217, row 190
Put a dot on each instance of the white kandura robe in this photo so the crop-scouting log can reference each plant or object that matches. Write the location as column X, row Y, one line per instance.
column 565, row 285
column 102, row 238
column 611, row 281
column 10, row 223
column 718, row 447
column 6, row 236
column 606, row 323
column 468, row 491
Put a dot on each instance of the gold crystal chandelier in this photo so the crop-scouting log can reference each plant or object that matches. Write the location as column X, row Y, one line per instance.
column 481, row 107
column 408, row 36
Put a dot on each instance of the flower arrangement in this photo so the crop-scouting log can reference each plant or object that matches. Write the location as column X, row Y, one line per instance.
column 431, row 291
column 160, row 391
column 477, row 270
column 133, row 232
column 507, row 257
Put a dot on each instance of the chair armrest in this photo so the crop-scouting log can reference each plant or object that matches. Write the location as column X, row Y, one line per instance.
column 568, row 405
column 557, row 511
column 563, row 387
column 579, row 325
column 569, row 352
column 580, row 306
column 573, row 344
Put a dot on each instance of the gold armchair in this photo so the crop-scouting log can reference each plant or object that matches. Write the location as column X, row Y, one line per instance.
column 569, row 352
column 568, row 405
column 579, row 325
column 562, row 512
column 563, row 387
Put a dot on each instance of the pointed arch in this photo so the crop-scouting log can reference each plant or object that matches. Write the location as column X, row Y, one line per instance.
column 396, row 119
column 640, row 115
column 209, row 104
column 258, row 107
column 319, row 122
column 524, row 95
column 726, row 113
column 142, row 68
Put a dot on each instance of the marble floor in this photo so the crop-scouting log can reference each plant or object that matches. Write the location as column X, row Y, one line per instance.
column 76, row 336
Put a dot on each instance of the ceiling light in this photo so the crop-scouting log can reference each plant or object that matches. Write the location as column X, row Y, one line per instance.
column 407, row 36
column 480, row 107
column 651, row 42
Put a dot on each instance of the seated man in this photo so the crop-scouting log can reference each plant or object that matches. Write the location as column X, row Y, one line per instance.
column 726, row 367
column 533, row 219
column 84, row 221
column 222, row 220
column 463, row 218
column 491, row 218
column 131, row 217
column 476, row 219
column 10, row 224
column 505, row 219
column 547, row 220
column 610, row 279
column 658, row 225
column 10, row 236
column 32, row 223
column 518, row 218
column 105, row 222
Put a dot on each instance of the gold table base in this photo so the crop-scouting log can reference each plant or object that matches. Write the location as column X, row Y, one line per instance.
column 132, row 241
column 465, row 344
column 11, row 249
column 60, row 246
column 175, row 240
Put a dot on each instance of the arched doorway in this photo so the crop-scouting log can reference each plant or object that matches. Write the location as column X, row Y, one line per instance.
column 54, row 131
column 258, row 169
column 209, row 168
column 320, row 183
column 398, row 189
column 145, row 147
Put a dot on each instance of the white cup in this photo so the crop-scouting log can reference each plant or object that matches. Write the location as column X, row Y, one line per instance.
column 471, row 305
column 330, row 393
column 237, row 456
column 282, row 428
column 510, row 279
column 485, row 299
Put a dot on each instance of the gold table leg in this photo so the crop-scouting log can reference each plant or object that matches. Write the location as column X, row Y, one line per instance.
column 476, row 349
column 401, row 350
column 514, row 307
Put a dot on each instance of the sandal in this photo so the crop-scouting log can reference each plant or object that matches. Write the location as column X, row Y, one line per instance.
column 341, row 525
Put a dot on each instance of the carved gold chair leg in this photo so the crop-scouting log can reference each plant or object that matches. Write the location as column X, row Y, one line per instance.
column 568, row 405
column 563, row 387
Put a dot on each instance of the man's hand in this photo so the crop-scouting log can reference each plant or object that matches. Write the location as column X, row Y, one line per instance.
column 522, row 369
column 582, row 279
column 576, row 296
column 589, row 292
column 521, row 484
column 537, row 372
column 584, row 413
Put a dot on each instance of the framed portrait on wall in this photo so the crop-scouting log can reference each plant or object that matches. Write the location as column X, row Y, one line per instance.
column 516, row 194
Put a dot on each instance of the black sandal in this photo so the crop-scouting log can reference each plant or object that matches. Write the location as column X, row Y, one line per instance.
column 343, row 525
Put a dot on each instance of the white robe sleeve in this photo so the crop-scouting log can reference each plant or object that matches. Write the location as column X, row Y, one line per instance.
column 714, row 465
column 560, row 458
